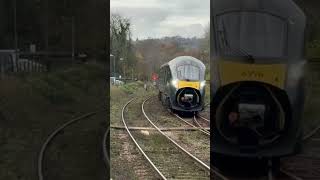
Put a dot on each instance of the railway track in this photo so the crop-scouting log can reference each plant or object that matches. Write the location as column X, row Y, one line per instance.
column 301, row 166
column 168, row 162
column 200, row 128
column 137, row 144
column 284, row 174
column 306, row 165
column 60, row 130
column 201, row 163
column 203, row 118
column 175, row 143
column 260, row 175
column 196, row 142
column 105, row 148
column 202, row 125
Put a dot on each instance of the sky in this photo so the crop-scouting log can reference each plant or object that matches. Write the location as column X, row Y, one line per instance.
column 160, row 18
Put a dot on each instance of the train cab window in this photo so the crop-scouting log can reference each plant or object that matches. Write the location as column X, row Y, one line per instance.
column 169, row 77
column 161, row 76
column 167, row 74
column 251, row 33
column 188, row 72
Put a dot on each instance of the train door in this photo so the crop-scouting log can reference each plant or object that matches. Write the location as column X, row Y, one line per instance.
column 160, row 85
column 163, row 84
column 168, row 80
column 167, row 86
column 160, row 80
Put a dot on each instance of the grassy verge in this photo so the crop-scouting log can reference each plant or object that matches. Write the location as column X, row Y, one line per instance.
column 125, row 157
column 33, row 105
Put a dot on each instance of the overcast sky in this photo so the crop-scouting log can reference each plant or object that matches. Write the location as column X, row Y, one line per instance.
column 159, row 18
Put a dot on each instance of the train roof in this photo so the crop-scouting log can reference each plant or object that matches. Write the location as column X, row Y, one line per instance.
column 282, row 8
column 184, row 60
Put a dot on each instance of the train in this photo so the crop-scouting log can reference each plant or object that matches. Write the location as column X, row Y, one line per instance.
column 257, row 79
column 182, row 84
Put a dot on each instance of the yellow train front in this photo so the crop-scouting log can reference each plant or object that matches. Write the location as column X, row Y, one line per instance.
column 182, row 84
column 257, row 78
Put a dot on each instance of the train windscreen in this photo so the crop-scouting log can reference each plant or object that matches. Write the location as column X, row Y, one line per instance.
column 251, row 33
column 188, row 72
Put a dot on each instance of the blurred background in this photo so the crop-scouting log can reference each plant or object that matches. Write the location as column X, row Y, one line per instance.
column 146, row 34
column 53, row 67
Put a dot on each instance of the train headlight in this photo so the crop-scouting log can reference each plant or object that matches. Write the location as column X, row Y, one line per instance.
column 202, row 84
column 174, row 83
column 295, row 73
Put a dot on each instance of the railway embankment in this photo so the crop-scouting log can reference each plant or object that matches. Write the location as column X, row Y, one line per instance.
column 32, row 105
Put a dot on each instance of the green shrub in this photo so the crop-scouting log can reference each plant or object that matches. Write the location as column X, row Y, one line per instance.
column 66, row 85
column 130, row 88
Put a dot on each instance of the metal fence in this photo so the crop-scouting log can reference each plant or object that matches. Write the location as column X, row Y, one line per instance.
column 12, row 62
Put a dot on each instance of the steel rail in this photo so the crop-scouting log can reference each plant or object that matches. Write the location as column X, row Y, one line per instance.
column 53, row 135
column 203, row 118
column 291, row 175
column 196, row 121
column 304, row 138
column 203, row 131
column 104, row 148
column 311, row 133
column 136, row 143
column 204, row 165
column 162, row 129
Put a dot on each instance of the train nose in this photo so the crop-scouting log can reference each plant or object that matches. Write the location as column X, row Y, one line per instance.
column 187, row 98
column 250, row 115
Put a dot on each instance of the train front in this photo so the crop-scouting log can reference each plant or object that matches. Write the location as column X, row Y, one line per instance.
column 257, row 79
column 188, row 84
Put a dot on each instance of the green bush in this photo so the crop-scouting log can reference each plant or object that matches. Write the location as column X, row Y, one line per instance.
column 54, row 89
column 130, row 88
column 65, row 85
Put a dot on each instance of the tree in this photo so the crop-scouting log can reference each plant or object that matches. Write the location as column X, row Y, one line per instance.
column 205, row 50
column 121, row 43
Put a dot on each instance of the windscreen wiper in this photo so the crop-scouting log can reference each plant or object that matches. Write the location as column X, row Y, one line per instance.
column 247, row 55
column 226, row 45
